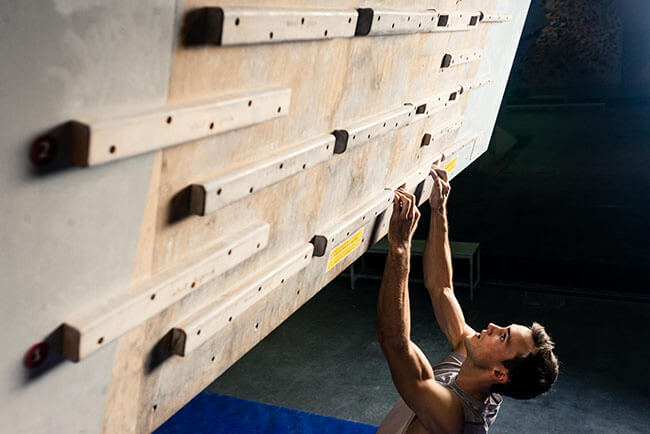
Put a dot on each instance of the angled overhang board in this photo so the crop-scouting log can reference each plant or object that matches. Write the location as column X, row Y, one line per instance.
column 335, row 86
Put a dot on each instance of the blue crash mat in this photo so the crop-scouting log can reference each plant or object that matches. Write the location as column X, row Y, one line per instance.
column 213, row 413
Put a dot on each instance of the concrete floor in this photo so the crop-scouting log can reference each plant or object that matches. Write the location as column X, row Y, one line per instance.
column 325, row 359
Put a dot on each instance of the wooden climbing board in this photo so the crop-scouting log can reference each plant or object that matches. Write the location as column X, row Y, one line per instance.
column 272, row 158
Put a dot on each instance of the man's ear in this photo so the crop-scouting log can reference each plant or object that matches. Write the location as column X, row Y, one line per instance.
column 499, row 376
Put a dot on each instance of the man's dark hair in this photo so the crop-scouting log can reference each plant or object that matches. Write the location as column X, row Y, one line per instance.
column 531, row 374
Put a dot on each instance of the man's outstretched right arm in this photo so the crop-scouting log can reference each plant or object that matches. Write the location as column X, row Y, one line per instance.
column 438, row 269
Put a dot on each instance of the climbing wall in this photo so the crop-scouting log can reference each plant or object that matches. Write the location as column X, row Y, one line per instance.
column 179, row 179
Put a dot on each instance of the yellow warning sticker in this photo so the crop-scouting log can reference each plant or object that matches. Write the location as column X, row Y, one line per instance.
column 344, row 249
column 450, row 166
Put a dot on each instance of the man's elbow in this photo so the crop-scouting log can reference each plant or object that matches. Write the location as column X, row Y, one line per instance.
column 392, row 344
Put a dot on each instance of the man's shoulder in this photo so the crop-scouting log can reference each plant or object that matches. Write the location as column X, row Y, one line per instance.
column 444, row 410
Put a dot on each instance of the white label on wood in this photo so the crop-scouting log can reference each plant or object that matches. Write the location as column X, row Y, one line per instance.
column 95, row 327
column 255, row 26
column 496, row 17
column 372, row 127
column 204, row 324
column 234, row 185
column 97, row 142
column 385, row 22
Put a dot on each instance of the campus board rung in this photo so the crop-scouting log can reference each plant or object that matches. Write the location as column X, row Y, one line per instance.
column 102, row 323
column 204, row 324
column 99, row 141
column 217, row 192
column 460, row 57
column 496, row 17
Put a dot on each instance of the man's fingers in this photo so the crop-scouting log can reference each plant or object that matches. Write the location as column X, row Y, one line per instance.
column 442, row 173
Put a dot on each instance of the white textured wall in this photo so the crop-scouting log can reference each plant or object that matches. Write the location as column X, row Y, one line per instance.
column 69, row 237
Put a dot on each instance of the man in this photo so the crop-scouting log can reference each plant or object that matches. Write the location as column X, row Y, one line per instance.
column 461, row 394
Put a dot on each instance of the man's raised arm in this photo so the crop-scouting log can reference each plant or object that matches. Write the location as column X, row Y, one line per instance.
column 437, row 267
column 436, row 408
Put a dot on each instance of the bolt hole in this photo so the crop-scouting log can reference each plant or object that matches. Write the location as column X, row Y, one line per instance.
column 229, row 319
column 304, row 166
column 354, row 137
column 325, row 32
column 258, row 245
column 271, row 35
column 393, row 26
column 169, row 119
column 219, row 192
column 230, row 252
column 100, row 340
column 302, row 20
column 112, row 149
column 327, row 147
column 349, row 20
column 198, row 332
column 396, row 123
column 212, row 359
column 282, row 281
column 236, row 21
column 279, row 109
column 193, row 284
column 281, row 165
column 348, row 234
column 298, row 292
column 384, row 124
column 211, row 125
column 257, row 325
column 251, row 190
column 368, row 135
column 250, row 102
column 408, row 18
column 153, row 296
column 305, row 256
column 259, row 289
column 155, row 407
column 364, row 217
column 379, row 18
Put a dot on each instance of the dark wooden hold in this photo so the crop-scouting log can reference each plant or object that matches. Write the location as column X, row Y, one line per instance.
column 364, row 21
column 426, row 140
column 320, row 245
column 341, row 143
column 443, row 20
column 446, row 61
column 203, row 26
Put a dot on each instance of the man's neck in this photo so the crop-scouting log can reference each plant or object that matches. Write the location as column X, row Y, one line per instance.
column 473, row 381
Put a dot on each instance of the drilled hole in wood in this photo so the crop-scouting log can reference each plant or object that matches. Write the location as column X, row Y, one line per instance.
column 302, row 21
column 420, row 25
column 271, row 35
column 349, row 20
column 393, row 26
column 282, row 281
column 250, row 102
column 396, row 124
column 354, row 137
column 100, row 340
column 236, row 21
column 258, row 245
column 305, row 256
column 379, row 18
column 364, row 217
column 198, row 332
column 218, row 192
column 279, row 109
column 193, row 284
column 408, row 18
column 211, row 125
column 325, row 32
column 153, row 296
column 169, row 119
column 229, row 319
column 304, row 166
column 368, row 135
column 259, row 289
column 230, row 252
column 112, row 149
column 212, row 359
column 257, row 325
column 384, row 124
column 327, row 147
column 251, row 190
column 281, row 165
column 155, row 407
column 298, row 292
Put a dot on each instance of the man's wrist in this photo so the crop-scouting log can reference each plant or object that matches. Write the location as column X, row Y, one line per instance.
column 399, row 247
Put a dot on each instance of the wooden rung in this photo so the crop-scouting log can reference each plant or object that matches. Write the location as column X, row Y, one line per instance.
column 418, row 182
column 390, row 22
column 443, row 130
column 203, row 325
column 452, row 21
column 215, row 193
column 101, row 141
column 477, row 83
column 460, row 57
column 249, row 25
column 95, row 327
column 427, row 106
column 351, row 232
column 495, row 17
column 372, row 127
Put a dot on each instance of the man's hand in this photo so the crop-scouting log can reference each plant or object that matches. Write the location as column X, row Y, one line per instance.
column 441, row 189
column 404, row 219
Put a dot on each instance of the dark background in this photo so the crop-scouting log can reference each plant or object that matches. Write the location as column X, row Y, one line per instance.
column 561, row 201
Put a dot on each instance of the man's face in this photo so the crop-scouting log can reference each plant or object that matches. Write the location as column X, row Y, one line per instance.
column 489, row 348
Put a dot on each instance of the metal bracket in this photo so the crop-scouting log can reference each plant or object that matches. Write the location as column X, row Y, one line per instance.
column 460, row 57
column 99, row 325
column 495, row 17
column 101, row 141
column 213, row 194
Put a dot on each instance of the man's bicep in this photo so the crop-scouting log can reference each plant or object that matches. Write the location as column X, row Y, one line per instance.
column 450, row 318
column 435, row 406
